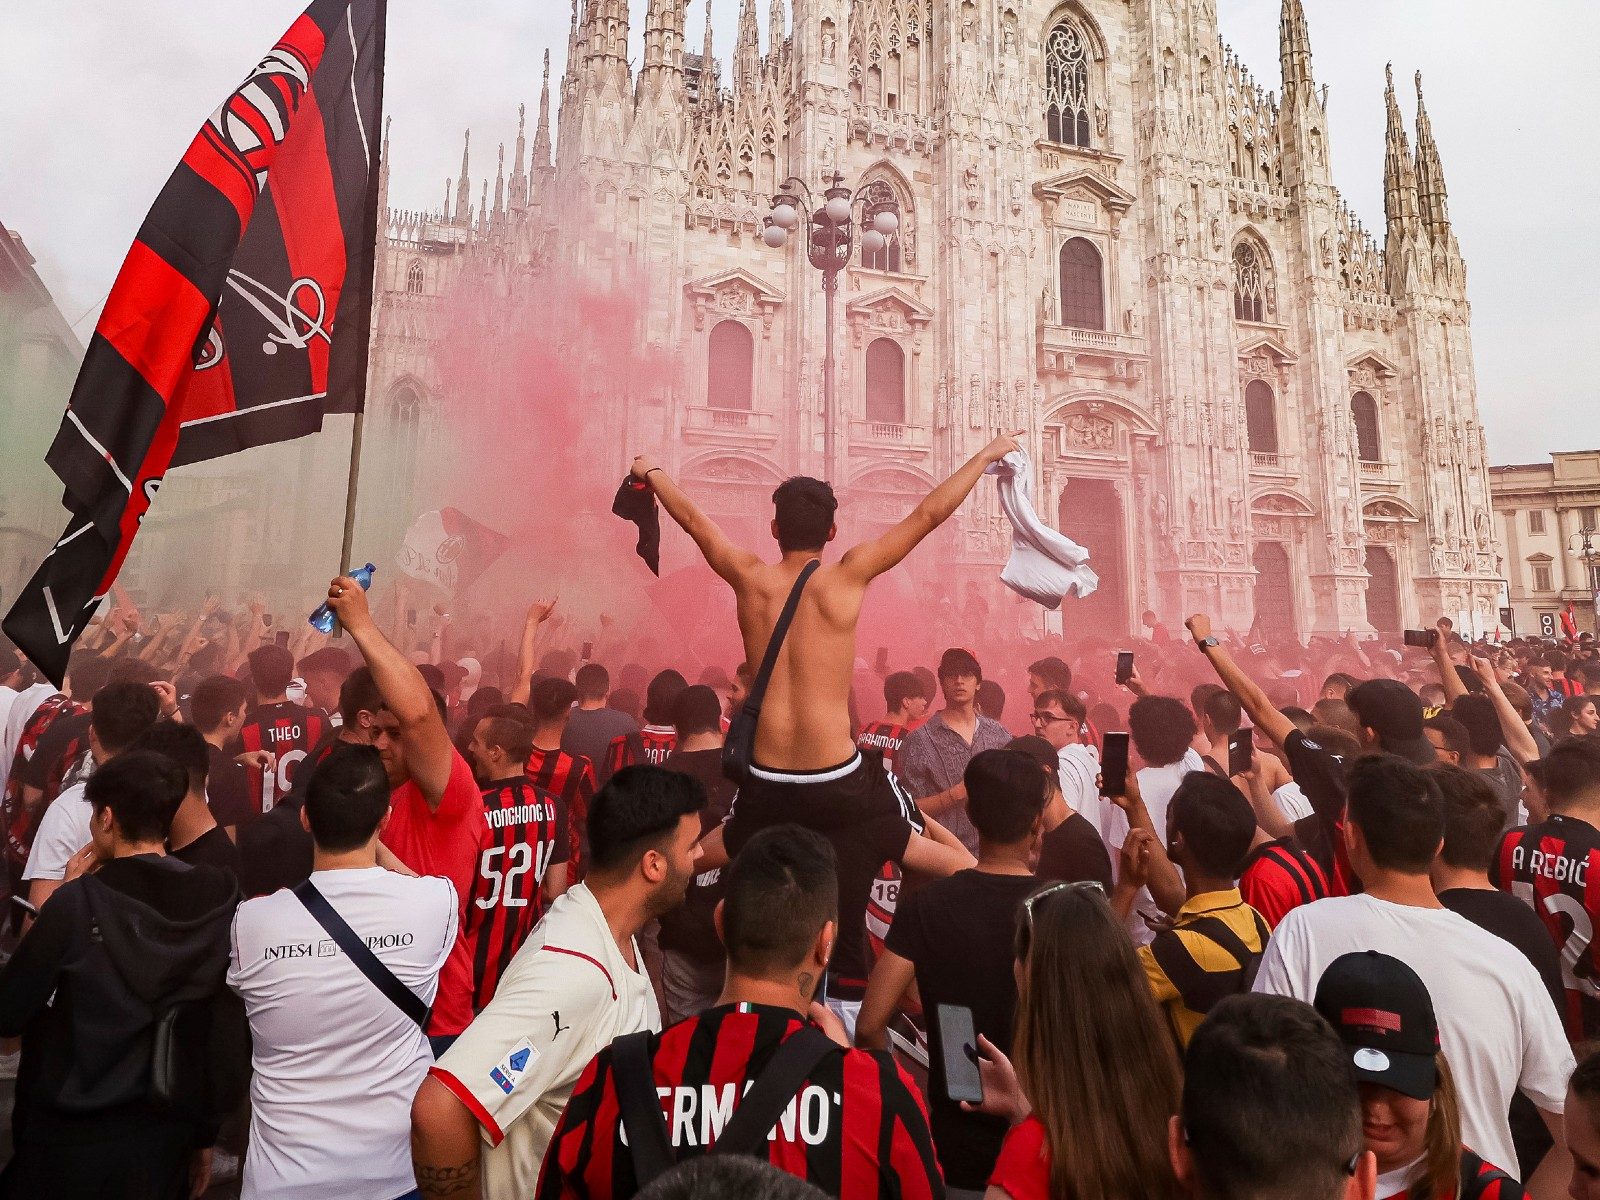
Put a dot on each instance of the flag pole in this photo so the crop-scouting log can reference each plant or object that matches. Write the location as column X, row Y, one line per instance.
column 351, row 493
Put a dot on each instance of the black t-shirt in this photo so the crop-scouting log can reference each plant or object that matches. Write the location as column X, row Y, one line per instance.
column 688, row 929
column 867, row 818
column 275, row 852
column 958, row 934
column 1509, row 918
column 65, row 735
column 213, row 848
column 228, row 789
column 1074, row 852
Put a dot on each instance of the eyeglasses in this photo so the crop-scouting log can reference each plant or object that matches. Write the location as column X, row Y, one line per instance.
column 1085, row 885
column 1044, row 718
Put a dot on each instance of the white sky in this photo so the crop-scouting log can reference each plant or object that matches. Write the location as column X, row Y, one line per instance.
column 101, row 100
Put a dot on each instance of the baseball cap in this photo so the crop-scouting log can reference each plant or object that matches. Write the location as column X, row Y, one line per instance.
column 1394, row 712
column 1381, row 1010
column 957, row 661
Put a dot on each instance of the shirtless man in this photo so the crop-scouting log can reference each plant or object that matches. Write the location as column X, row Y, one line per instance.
column 807, row 769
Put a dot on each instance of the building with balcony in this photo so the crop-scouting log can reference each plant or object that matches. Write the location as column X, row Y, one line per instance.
column 1547, row 516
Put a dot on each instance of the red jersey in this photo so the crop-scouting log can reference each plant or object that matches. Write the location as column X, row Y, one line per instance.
column 1548, row 866
column 571, row 777
column 1479, row 1181
column 856, row 1129
column 288, row 730
column 524, row 829
column 884, row 737
column 444, row 841
column 20, row 823
column 650, row 746
column 1279, row 877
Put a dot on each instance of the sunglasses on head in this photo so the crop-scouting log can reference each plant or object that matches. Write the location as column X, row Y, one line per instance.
column 1086, row 885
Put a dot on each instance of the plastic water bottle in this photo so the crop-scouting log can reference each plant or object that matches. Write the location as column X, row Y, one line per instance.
column 323, row 619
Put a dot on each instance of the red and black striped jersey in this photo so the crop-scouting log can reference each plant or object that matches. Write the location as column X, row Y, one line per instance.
column 288, row 730
column 1549, row 867
column 1279, row 877
column 884, row 737
column 1479, row 1181
column 571, row 777
column 21, row 823
column 524, row 829
column 856, row 1129
column 650, row 746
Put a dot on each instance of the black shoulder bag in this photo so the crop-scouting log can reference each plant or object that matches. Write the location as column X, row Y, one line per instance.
column 649, row 1145
column 368, row 963
column 739, row 748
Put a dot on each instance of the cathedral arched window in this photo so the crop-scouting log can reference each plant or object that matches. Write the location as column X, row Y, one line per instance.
column 886, row 382
column 879, row 196
column 1261, row 418
column 1066, row 85
column 1083, row 300
column 414, row 279
column 730, row 365
column 1249, row 283
column 1364, row 411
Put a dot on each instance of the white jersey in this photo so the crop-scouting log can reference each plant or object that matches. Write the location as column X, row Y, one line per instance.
column 63, row 831
column 1496, row 1023
column 567, row 994
column 337, row 1064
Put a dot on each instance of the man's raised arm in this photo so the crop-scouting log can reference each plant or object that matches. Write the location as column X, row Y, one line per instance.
column 721, row 555
column 1252, row 699
column 871, row 559
column 429, row 754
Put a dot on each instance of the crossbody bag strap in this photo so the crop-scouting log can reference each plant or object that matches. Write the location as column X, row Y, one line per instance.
column 746, row 1132
column 642, row 1118
column 769, row 661
column 360, row 955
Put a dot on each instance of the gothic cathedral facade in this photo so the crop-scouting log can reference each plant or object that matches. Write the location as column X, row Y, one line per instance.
column 1109, row 236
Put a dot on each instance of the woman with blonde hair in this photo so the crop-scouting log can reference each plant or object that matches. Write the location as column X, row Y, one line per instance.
column 1096, row 1076
column 1410, row 1114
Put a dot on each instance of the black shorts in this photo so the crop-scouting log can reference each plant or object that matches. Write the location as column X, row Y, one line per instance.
column 865, row 815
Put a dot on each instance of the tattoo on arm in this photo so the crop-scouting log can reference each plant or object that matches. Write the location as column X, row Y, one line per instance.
column 457, row 1181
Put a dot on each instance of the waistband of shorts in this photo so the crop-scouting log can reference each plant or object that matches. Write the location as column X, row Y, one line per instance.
column 824, row 775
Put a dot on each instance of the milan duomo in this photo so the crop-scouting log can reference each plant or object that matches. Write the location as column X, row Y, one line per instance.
column 1109, row 235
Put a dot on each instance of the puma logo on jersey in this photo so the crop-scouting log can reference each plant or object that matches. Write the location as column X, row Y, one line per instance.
column 560, row 1028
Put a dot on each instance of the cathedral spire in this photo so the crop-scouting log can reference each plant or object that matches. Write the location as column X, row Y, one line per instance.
column 519, row 173
column 541, row 130
column 1294, row 50
column 1434, row 203
column 663, row 43
column 464, row 184
column 1400, row 202
column 383, row 170
column 708, row 75
column 747, row 53
column 499, row 210
column 777, row 27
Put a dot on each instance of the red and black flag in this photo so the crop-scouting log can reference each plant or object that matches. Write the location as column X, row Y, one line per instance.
column 242, row 312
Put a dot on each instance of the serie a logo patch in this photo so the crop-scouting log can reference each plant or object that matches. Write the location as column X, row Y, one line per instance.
column 508, row 1072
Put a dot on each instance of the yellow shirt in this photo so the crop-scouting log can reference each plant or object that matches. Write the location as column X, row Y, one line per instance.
column 1199, row 955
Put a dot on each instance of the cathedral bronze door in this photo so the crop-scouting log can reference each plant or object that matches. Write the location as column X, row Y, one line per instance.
column 1383, row 591
column 1274, row 591
column 1091, row 515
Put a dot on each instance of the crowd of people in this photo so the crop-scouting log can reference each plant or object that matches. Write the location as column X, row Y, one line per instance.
column 1226, row 918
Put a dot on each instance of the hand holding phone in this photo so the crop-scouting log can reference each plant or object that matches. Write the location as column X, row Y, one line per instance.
column 1124, row 666
column 1422, row 639
column 959, row 1043
column 1241, row 752
column 1114, row 765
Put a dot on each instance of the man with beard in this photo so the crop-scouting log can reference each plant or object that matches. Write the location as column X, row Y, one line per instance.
column 576, row 985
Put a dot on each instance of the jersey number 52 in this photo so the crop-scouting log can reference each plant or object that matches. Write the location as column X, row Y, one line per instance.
column 510, row 885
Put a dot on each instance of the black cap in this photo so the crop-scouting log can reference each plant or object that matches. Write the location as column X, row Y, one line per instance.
column 1394, row 712
column 1382, row 1012
column 957, row 661
column 1036, row 748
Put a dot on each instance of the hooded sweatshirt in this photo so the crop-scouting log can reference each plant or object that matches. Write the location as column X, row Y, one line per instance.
column 109, row 953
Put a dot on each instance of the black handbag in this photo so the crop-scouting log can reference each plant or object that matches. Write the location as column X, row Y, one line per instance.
column 739, row 747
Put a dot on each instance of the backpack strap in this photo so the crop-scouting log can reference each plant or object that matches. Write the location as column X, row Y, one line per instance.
column 777, row 1085
column 360, row 956
column 1200, row 989
column 642, row 1118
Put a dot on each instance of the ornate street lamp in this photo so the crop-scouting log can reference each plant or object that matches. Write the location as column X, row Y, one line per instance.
column 830, row 240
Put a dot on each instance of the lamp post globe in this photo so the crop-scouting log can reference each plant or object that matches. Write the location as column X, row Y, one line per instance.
column 837, row 209
column 775, row 235
column 874, row 242
column 886, row 222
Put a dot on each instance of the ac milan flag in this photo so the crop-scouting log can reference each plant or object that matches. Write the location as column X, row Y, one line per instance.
column 449, row 548
column 242, row 312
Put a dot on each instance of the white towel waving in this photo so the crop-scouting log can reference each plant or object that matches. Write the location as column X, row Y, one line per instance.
column 1044, row 566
